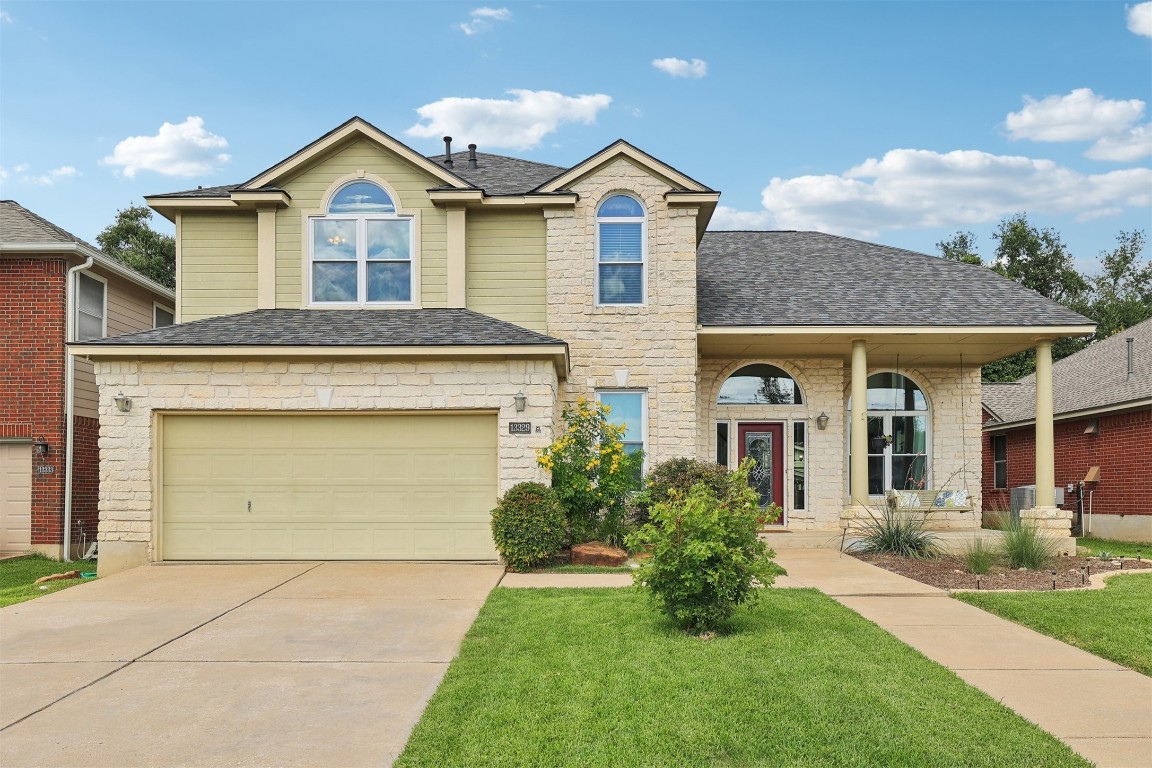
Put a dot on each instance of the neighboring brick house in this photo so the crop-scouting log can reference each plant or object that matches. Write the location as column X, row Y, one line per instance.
column 53, row 287
column 1103, row 435
column 374, row 344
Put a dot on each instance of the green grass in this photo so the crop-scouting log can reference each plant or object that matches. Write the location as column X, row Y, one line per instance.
column 596, row 677
column 1119, row 548
column 583, row 569
column 16, row 577
column 1112, row 622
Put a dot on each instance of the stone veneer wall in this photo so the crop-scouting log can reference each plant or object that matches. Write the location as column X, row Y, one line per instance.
column 954, row 398
column 127, row 483
column 654, row 343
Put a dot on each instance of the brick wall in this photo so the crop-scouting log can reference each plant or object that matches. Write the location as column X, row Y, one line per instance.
column 1122, row 449
column 32, row 302
column 86, row 477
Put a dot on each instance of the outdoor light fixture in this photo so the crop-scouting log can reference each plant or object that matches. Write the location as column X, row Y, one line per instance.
column 40, row 447
column 123, row 403
column 521, row 401
column 822, row 421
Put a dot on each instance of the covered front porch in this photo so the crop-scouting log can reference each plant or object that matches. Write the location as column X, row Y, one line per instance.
column 791, row 397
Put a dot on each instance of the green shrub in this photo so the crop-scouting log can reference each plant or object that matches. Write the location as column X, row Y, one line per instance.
column 979, row 555
column 896, row 532
column 528, row 525
column 706, row 559
column 679, row 475
column 593, row 476
column 1026, row 547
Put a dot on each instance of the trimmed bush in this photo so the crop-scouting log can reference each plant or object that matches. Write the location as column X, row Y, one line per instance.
column 897, row 532
column 528, row 525
column 679, row 475
column 706, row 559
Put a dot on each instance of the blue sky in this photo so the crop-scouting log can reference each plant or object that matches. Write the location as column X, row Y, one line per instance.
column 896, row 122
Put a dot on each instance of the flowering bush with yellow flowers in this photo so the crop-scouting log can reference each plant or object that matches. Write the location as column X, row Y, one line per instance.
column 592, row 474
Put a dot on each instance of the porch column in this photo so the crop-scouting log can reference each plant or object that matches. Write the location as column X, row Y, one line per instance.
column 1045, row 461
column 858, row 471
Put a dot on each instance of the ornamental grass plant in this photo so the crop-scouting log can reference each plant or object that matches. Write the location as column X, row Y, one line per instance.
column 1027, row 547
column 892, row 531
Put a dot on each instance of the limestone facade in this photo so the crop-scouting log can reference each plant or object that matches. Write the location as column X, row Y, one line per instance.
column 128, row 481
column 651, row 348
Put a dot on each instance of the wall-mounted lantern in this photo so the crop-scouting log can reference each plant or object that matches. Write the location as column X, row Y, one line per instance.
column 521, row 401
column 123, row 402
column 822, row 421
column 40, row 447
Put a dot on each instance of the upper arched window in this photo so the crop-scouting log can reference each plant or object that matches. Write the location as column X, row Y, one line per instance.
column 621, row 250
column 361, row 251
column 760, row 384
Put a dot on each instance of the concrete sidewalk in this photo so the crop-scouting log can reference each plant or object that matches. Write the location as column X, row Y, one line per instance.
column 1046, row 681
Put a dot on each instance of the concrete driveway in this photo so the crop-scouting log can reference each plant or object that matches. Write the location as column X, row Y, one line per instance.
column 303, row 664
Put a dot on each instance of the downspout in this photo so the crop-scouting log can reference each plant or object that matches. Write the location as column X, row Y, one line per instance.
column 70, row 397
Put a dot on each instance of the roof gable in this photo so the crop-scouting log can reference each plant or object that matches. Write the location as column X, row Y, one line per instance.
column 617, row 149
column 353, row 128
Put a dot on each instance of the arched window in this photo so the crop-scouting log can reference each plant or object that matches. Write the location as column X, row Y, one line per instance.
column 760, row 384
column 621, row 250
column 361, row 250
column 898, row 443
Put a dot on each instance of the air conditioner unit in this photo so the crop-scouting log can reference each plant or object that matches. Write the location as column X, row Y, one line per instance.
column 1024, row 497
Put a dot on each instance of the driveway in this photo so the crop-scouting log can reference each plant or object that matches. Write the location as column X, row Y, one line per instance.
column 303, row 664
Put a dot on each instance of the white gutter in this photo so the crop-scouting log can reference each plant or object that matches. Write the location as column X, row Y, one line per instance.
column 70, row 396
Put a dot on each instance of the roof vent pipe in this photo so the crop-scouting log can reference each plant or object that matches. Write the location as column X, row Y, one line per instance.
column 471, row 155
column 448, row 151
column 1131, row 359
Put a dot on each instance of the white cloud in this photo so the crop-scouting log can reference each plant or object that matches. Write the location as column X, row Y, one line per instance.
column 185, row 149
column 1078, row 116
column 910, row 188
column 1140, row 19
column 1124, row 148
column 695, row 69
column 6, row 17
column 518, row 123
column 51, row 177
column 481, row 20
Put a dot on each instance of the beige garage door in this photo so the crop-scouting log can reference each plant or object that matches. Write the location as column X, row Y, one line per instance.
column 15, row 497
column 310, row 487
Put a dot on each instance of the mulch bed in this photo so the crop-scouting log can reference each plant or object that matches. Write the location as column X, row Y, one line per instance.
column 949, row 572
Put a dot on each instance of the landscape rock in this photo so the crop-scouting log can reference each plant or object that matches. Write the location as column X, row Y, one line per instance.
column 598, row 553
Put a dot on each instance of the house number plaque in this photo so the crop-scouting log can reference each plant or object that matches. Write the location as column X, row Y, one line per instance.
column 45, row 469
column 519, row 427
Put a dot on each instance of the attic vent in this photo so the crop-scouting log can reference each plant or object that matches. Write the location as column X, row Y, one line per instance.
column 448, row 151
column 471, row 155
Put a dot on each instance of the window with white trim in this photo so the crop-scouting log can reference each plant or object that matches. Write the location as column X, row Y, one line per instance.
column 898, row 441
column 621, row 251
column 630, row 408
column 91, row 307
column 361, row 251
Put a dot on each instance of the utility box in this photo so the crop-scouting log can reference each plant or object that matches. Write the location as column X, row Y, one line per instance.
column 1024, row 497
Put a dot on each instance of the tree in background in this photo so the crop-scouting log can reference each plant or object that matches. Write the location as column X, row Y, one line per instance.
column 131, row 241
column 1118, row 297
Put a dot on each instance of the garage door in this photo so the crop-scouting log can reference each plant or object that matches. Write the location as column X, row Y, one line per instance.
column 310, row 487
column 15, row 497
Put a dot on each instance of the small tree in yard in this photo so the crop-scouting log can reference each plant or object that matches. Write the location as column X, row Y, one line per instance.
column 592, row 474
column 706, row 559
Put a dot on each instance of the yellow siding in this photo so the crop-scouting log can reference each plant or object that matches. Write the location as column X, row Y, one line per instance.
column 86, row 397
column 507, row 266
column 217, row 264
column 308, row 189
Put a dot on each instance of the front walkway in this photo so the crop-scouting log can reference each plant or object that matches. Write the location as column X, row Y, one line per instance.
column 1097, row 707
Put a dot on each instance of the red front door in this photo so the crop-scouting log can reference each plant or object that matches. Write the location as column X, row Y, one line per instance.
column 764, row 442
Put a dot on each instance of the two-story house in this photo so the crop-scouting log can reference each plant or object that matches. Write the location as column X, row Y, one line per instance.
column 373, row 344
column 54, row 288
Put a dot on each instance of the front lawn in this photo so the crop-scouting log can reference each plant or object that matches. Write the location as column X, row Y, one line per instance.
column 1116, row 548
column 595, row 677
column 1112, row 622
column 17, row 575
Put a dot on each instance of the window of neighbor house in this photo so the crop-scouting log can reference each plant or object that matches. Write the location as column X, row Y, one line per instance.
column 162, row 317
column 621, row 246
column 630, row 408
column 91, row 307
column 1000, row 460
column 361, row 251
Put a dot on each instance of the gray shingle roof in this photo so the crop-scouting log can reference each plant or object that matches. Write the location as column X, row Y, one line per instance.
column 1094, row 377
column 20, row 225
column 221, row 191
column 339, row 328
column 810, row 278
column 499, row 174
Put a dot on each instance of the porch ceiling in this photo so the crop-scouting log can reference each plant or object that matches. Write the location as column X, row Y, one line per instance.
column 915, row 345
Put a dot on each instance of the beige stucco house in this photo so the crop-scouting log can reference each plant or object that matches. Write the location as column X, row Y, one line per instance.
column 373, row 344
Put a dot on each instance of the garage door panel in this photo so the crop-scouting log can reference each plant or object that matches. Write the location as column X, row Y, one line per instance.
column 329, row 487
